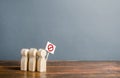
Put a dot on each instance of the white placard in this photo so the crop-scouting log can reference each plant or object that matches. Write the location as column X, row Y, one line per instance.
column 50, row 47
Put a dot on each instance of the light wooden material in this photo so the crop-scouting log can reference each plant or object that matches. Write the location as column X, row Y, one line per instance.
column 24, row 59
column 32, row 59
column 41, row 61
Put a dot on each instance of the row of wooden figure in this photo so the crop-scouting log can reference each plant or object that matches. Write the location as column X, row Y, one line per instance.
column 33, row 59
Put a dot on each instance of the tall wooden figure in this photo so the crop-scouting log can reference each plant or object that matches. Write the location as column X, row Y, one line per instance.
column 41, row 61
column 32, row 59
column 24, row 59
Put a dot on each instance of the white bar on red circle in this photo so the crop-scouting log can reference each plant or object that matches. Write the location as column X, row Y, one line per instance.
column 50, row 47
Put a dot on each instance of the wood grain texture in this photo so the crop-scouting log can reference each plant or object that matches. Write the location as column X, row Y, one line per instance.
column 64, row 69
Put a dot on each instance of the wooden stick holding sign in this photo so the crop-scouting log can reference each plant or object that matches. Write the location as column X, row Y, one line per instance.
column 50, row 48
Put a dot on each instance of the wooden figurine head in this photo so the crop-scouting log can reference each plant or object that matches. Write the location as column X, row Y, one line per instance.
column 32, row 52
column 24, row 52
column 42, row 53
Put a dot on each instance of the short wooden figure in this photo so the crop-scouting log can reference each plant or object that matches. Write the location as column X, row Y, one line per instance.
column 41, row 61
column 32, row 59
column 24, row 59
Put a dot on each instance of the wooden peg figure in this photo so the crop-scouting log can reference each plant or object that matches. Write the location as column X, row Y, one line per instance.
column 41, row 62
column 32, row 59
column 24, row 59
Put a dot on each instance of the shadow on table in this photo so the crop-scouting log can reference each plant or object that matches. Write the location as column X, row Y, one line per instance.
column 11, row 67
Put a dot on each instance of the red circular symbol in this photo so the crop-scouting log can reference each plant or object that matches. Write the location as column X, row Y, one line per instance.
column 50, row 47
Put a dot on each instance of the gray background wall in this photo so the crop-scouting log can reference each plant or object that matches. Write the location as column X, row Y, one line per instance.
column 81, row 29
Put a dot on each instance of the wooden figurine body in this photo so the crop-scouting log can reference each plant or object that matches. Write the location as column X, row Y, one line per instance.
column 41, row 61
column 32, row 59
column 24, row 59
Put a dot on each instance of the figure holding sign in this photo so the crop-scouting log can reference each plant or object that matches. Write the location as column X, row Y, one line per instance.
column 50, row 48
column 41, row 62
